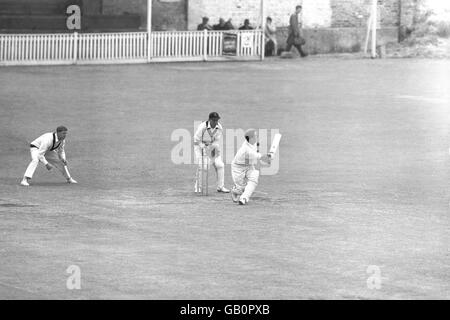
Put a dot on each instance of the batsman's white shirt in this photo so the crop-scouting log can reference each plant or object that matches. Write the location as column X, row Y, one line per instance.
column 247, row 155
column 245, row 175
column 49, row 142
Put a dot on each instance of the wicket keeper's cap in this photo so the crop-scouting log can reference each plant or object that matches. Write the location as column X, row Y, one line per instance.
column 214, row 115
column 250, row 133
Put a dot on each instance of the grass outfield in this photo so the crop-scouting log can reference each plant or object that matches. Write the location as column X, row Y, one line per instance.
column 363, row 181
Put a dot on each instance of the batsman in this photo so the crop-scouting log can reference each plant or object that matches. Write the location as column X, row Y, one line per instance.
column 244, row 168
column 207, row 138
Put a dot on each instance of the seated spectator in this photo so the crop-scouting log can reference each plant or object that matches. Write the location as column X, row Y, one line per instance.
column 246, row 25
column 271, row 38
column 229, row 25
column 221, row 25
column 204, row 25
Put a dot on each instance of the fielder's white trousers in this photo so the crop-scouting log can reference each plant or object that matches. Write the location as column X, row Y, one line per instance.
column 245, row 178
column 217, row 162
column 51, row 156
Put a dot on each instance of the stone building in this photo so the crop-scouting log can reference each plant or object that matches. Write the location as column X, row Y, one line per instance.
column 330, row 25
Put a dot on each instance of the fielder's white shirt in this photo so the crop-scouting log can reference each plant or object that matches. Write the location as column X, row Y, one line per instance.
column 247, row 155
column 205, row 133
column 49, row 142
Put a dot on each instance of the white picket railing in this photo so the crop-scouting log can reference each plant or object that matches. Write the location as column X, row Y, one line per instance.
column 177, row 44
column 126, row 47
column 215, row 42
column 106, row 47
column 52, row 48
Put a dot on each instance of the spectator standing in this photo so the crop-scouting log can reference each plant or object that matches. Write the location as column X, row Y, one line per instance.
column 271, row 38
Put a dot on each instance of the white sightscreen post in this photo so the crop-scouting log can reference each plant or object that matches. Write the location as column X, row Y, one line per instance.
column 149, row 30
column 374, row 28
column 369, row 27
column 205, row 44
column 263, row 27
column 75, row 47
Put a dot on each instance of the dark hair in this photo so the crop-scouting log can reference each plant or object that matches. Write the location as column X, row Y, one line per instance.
column 269, row 18
column 61, row 128
column 298, row 7
column 213, row 115
column 247, row 138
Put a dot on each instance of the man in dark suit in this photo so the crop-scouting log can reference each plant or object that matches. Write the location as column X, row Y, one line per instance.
column 294, row 38
column 246, row 25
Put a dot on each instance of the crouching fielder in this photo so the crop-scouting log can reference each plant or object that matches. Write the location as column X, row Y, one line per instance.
column 245, row 174
column 207, row 137
column 48, row 149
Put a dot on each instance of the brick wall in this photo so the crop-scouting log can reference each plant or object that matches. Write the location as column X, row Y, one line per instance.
column 166, row 14
column 120, row 7
column 239, row 10
column 390, row 13
column 186, row 14
column 26, row 7
column 407, row 12
column 124, row 6
column 91, row 6
column 349, row 13
column 354, row 13
column 47, row 7
column 316, row 13
column 169, row 15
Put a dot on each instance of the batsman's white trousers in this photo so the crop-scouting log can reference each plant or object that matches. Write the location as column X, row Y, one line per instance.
column 245, row 178
column 51, row 156
column 217, row 162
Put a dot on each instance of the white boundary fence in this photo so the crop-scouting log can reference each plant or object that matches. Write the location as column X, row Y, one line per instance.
column 127, row 47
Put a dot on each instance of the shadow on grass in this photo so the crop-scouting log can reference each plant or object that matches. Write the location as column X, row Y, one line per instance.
column 50, row 184
column 14, row 205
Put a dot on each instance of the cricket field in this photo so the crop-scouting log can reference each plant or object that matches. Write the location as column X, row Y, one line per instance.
column 359, row 207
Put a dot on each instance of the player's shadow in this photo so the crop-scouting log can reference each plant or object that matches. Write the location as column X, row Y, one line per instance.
column 262, row 199
column 15, row 205
column 49, row 184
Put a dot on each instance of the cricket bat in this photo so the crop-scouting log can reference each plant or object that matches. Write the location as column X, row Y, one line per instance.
column 275, row 144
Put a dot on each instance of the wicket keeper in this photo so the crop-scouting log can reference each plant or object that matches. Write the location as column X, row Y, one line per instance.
column 207, row 136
